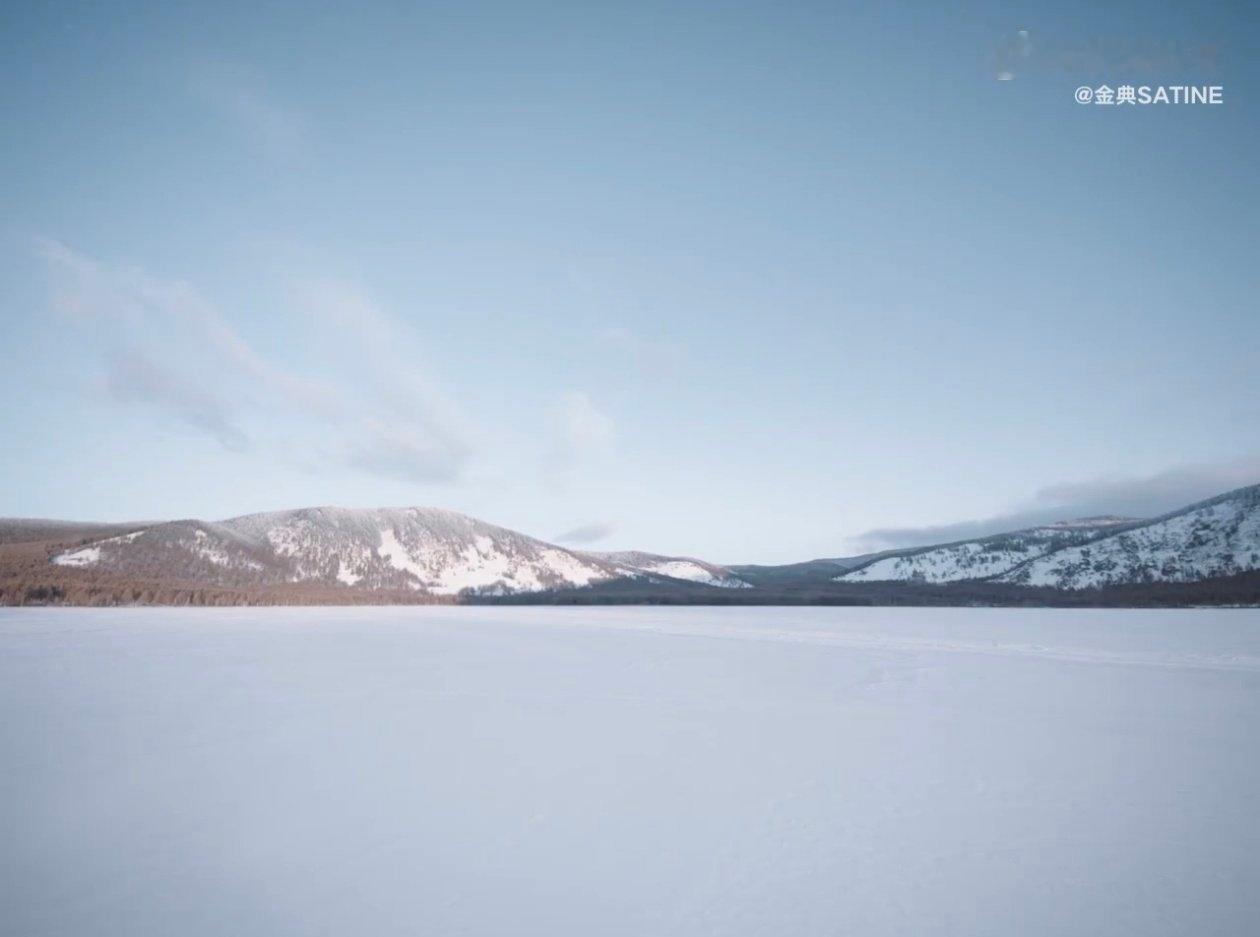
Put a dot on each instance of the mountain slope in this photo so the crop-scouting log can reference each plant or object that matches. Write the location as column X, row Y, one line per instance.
column 984, row 557
column 674, row 567
column 425, row 549
column 1208, row 552
column 35, row 529
column 1217, row 537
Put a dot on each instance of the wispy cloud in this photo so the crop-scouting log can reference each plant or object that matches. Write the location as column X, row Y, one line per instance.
column 421, row 432
column 135, row 303
column 403, row 453
column 134, row 378
column 587, row 533
column 584, row 428
column 241, row 94
column 166, row 346
column 581, row 435
column 1146, row 496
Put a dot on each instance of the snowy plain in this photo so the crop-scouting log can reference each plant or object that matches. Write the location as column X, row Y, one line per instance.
column 636, row 771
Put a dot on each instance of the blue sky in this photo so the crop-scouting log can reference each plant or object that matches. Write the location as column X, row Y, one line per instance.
column 755, row 282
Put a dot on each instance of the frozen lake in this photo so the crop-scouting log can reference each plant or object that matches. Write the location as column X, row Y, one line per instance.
column 629, row 771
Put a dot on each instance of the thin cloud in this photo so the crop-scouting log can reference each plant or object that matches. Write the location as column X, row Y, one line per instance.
column 427, row 435
column 581, row 436
column 584, row 427
column 381, row 418
column 133, row 378
column 241, row 94
column 1147, row 496
column 587, row 533
column 405, row 455
column 134, row 301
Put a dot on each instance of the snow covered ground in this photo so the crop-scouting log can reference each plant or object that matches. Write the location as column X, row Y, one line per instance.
column 629, row 771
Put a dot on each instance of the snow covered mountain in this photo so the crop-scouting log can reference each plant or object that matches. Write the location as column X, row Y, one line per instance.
column 424, row 549
column 674, row 567
column 412, row 554
column 1217, row 537
column 984, row 557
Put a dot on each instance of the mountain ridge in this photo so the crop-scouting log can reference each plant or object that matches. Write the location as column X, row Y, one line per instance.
column 423, row 553
column 1159, row 549
column 685, row 568
column 434, row 550
column 986, row 556
column 1084, row 553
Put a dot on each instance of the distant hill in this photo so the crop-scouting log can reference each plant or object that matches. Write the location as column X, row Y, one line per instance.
column 1214, row 538
column 1206, row 553
column 674, row 567
column 423, row 549
column 983, row 557
column 35, row 530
